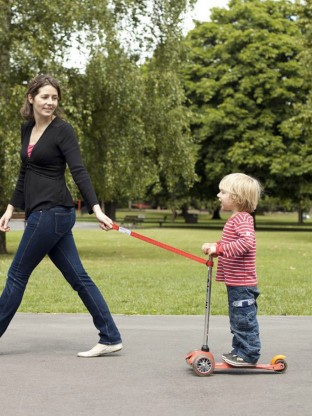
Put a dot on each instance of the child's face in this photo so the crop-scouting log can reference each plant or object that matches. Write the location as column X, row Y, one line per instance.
column 226, row 200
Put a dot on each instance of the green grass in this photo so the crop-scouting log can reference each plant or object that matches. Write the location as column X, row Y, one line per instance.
column 139, row 278
column 278, row 221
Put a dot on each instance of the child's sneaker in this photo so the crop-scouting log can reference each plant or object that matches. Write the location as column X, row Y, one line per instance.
column 227, row 356
column 236, row 361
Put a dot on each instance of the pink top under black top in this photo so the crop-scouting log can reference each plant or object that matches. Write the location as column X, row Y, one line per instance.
column 29, row 149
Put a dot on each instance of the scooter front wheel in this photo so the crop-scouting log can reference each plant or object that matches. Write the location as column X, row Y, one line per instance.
column 203, row 365
column 279, row 359
column 282, row 370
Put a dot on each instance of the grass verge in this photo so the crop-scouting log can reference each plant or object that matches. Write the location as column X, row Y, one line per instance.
column 138, row 278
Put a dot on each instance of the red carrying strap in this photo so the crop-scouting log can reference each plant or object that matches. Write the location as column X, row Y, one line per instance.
column 162, row 245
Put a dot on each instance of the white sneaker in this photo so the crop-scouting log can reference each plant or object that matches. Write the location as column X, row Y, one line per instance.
column 99, row 350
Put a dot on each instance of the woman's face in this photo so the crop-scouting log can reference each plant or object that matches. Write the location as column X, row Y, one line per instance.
column 45, row 102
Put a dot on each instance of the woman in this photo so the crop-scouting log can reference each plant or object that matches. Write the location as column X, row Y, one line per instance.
column 48, row 145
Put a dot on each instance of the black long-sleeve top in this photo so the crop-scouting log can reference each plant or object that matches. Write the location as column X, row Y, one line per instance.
column 41, row 182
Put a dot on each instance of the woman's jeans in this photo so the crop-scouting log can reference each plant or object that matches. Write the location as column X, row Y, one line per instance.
column 243, row 322
column 49, row 232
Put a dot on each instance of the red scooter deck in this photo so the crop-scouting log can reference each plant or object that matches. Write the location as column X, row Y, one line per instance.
column 203, row 364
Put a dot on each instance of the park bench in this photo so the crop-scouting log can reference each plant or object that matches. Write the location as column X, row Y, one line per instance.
column 132, row 220
column 159, row 221
column 18, row 215
column 137, row 219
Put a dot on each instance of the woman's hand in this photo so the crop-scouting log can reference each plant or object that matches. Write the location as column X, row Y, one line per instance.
column 4, row 220
column 105, row 222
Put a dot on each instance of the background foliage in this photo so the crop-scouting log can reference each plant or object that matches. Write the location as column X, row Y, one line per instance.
column 245, row 83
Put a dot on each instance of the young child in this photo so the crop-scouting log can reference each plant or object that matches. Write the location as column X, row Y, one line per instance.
column 236, row 253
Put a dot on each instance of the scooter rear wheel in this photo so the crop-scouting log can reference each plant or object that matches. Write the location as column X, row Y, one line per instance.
column 203, row 365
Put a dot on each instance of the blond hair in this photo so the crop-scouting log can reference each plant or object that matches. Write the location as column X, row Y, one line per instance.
column 245, row 190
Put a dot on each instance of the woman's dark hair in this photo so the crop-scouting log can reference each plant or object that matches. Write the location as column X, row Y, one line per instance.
column 33, row 89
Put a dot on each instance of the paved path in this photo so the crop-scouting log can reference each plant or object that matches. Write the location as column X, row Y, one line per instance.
column 17, row 225
column 41, row 375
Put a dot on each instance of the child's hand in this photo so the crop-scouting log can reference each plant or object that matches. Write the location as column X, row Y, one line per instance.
column 209, row 248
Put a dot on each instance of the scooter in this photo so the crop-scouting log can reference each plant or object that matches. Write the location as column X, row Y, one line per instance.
column 202, row 360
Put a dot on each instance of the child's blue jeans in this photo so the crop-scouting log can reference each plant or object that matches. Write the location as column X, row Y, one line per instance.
column 243, row 322
column 48, row 232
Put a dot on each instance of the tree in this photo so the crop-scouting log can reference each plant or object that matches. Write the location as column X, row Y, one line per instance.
column 138, row 136
column 298, row 169
column 115, row 142
column 166, row 121
column 243, row 80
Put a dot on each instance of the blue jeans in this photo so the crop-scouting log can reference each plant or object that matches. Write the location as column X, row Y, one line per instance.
column 243, row 322
column 48, row 232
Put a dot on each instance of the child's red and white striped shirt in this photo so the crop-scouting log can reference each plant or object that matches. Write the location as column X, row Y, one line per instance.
column 237, row 252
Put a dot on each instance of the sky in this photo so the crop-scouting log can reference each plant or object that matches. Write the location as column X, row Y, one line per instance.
column 200, row 12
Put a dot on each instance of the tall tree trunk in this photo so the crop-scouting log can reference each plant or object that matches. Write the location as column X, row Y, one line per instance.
column 189, row 218
column 216, row 214
column 3, row 249
column 253, row 214
column 110, row 209
column 300, row 216
column 184, row 210
column 5, row 19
